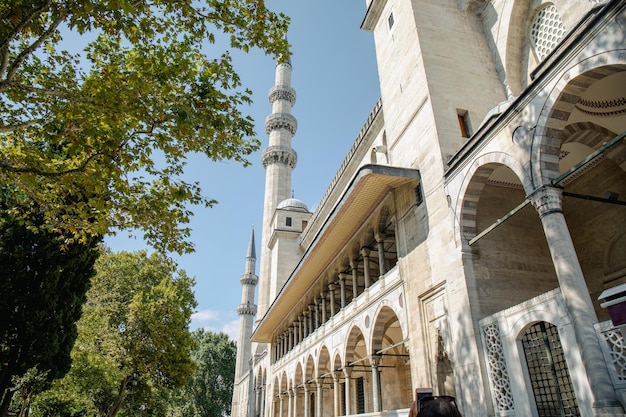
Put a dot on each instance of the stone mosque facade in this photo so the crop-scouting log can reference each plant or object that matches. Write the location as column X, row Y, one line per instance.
column 467, row 242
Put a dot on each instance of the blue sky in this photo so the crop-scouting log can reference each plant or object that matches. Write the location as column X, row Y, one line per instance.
column 336, row 83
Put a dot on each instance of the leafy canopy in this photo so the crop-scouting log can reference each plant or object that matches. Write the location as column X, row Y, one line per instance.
column 210, row 390
column 43, row 286
column 98, row 138
column 133, row 338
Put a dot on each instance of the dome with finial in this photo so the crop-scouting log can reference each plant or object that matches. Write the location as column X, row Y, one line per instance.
column 292, row 204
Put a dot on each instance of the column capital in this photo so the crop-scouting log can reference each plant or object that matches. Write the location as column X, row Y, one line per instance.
column 347, row 371
column 332, row 287
column 380, row 237
column 365, row 251
column 547, row 200
column 375, row 360
column 342, row 276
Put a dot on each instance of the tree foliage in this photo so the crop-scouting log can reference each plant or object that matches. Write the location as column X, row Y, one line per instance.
column 209, row 392
column 109, row 128
column 44, row 284
column 133, row 340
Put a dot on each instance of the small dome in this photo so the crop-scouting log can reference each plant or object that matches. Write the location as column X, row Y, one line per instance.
column 292, row 203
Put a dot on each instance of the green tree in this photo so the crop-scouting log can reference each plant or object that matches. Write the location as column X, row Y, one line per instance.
column 133, row 340
column 209, row 392
column 109, row 127
column 44, row 284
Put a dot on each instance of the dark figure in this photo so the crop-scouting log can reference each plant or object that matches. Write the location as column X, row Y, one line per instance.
column 438, row 406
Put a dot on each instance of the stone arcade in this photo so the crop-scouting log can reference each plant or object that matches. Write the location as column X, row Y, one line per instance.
column 465, row 240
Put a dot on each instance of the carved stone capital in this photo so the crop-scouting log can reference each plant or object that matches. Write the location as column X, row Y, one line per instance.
column 547, row 200
column 279, row 154
column 281, row 121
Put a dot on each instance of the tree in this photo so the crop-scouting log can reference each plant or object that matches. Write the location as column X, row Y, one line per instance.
column 44, row 284
column 209, row 392
column 133, row 340
column 109, row 128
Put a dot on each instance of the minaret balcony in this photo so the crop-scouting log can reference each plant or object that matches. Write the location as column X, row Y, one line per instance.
column 279, row 154
column 246, row 309
column 248, row 279
column 277, row 121
column 282, row 92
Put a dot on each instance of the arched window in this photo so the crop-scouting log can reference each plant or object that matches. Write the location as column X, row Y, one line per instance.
column 546, row 31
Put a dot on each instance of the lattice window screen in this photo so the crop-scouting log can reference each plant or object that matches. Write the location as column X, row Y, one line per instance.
column 546, row 31
column 498, row 375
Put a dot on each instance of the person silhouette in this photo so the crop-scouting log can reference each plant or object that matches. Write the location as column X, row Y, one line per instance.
column 435, row 406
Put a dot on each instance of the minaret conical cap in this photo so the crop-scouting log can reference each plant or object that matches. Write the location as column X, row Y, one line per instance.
column 251, row 249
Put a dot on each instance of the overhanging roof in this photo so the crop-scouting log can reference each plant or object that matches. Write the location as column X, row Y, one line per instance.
column 367, row 189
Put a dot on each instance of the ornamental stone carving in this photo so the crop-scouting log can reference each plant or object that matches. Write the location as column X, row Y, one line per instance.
column 248, row 279
column 547, row 200
column 282, row 92
column 246, row 309
column 498, row 374
column 281, row 121
column 279, row 154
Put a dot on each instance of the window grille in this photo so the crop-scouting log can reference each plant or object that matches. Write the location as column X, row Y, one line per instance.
column 546, row 31
column 548, row 371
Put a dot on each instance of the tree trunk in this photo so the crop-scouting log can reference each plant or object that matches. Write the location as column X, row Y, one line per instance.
column 7, row 395
column 120, row 398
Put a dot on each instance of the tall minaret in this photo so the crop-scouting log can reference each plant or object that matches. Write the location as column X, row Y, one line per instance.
column 279, row 159
column 246, row 311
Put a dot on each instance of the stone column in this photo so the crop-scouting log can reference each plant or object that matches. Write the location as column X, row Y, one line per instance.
column 355, row 276
column 262, row 408
column 382, row 264
column 323, row 300
column 347, row 372
column 307, row 400
column 332, row 288
column 306, row 323
column 342, row 285
column 548, row 202
column 284, row 344
column 296, row 393
column 281, row 405
column 376, row 400
column 300, row 324
column 319, row 397
column 290, row 404
column 336, row 394
column 317, row 314
column 312, row 317
column 291, row 339
column 366, row 265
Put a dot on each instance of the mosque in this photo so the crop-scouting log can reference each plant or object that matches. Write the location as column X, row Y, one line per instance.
column 473, row 241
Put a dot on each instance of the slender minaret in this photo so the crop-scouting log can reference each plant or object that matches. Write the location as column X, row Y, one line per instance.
column 246, row 311
column 279, row 159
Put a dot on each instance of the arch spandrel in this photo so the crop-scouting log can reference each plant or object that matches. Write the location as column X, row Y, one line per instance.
column 474, row 181
column 356, row 347
column 385, row 317
column 568, row 116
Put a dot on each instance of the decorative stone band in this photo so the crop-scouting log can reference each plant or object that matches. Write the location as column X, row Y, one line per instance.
column 279, row 154
column 547, row 200
column 246, row 309
column 248, row 279
column 281, row 121
column 282, row 92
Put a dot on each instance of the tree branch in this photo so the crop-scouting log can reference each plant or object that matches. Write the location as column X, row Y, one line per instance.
column 4, row 46
column 21, row 57
column 20, row 126
column 33, row 170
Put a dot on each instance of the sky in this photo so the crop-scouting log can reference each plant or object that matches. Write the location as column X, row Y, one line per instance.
column 336, row 81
